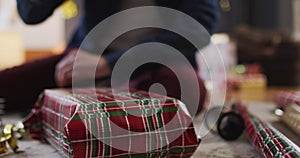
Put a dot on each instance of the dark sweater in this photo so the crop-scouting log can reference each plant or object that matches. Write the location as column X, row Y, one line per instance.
column 205, row 12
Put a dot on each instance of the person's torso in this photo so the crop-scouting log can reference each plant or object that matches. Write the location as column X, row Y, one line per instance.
column 95, row 11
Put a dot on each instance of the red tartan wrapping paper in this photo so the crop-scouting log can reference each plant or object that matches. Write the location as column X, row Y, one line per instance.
column 284, row 99
column 112, row 124
column 267, row 140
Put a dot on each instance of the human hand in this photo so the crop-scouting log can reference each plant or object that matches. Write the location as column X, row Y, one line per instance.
column 85, row 67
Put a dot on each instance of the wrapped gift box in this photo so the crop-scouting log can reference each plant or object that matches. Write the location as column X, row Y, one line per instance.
column 243, row 85
column 104, row 123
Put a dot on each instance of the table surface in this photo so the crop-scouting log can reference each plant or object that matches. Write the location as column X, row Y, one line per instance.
column 211, row 146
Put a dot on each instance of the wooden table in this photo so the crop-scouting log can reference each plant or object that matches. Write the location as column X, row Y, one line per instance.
column 211, row 146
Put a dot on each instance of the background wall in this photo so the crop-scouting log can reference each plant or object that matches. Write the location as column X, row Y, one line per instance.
column 20, row 42
column 282, row 15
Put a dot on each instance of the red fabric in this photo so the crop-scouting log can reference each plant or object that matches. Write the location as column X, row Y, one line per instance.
column 27, row 81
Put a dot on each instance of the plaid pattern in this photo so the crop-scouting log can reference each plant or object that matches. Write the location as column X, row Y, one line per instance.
column 291, row 118
column 284, row 99
column 107, row 125
column 267, row 140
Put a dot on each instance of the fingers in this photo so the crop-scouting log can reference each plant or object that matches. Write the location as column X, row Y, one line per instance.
column 63, row 72
column 88, row 66
column 65, row 76
column 103, row 69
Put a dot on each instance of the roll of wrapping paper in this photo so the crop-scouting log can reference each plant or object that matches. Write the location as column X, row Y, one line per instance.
column 284, row 99
column 266, row 139
column 230, row 124
column 225, row 121
column 291, row 118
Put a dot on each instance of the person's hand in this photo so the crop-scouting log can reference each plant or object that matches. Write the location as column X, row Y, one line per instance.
column 85, row 67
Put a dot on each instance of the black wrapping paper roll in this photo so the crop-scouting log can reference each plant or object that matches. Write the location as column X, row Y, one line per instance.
column 230, row 126
column 225, row 121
